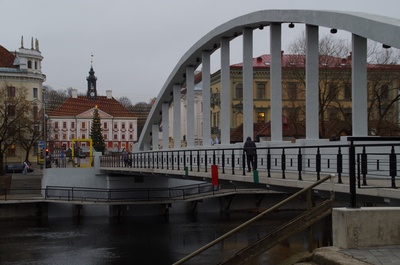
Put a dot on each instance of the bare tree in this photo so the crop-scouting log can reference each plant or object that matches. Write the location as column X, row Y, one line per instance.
column 335, row 83
column 125, row 101
column 14, row 117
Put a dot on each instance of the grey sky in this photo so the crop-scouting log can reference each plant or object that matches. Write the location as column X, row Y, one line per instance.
column 136, row 44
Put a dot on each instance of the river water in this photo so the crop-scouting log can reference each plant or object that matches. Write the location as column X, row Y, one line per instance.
column 142, row 240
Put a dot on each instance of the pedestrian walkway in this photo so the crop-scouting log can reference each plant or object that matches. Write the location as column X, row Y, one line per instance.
column 386, row 255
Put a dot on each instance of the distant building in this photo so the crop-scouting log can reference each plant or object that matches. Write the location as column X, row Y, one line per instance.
column 73, row 120
column 22, row 69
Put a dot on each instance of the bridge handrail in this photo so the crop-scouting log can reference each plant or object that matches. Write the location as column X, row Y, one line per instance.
column 252, row 220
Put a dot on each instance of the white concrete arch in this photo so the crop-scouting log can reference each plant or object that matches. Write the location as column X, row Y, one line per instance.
column 362, row 26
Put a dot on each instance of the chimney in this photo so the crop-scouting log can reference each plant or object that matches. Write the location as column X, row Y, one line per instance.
column 109, row 94
column 74, row 93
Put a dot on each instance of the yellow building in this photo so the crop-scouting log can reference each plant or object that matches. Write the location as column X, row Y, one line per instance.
column 334, row 98
column 22, row 71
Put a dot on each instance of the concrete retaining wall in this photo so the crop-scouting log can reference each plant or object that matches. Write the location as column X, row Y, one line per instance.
column 366, row 227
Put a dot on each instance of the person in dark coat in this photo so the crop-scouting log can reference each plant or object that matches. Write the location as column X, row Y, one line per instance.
column 251, row 150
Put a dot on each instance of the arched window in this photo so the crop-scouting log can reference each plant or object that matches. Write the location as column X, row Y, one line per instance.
column 239, row 90
column 29, row 64
column 239, row 119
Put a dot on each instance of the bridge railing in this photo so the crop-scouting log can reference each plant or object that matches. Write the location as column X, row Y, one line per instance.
column 376, row 160
column 372, row 160
column 127, row 195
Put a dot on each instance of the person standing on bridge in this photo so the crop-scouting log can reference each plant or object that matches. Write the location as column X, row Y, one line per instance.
column 251, row 150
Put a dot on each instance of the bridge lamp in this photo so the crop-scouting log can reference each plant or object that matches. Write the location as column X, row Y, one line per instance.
column 333, row 31
column 291, row 25
column 385, row 46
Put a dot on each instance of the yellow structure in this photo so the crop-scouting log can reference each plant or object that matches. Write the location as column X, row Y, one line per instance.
column 335, row 96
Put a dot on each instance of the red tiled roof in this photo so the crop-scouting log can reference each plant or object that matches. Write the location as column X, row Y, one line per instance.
column 6, row 58
column 299, row 61
column 76, row 106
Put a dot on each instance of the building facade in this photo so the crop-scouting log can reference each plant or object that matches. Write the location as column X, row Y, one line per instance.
column 21, row 72
column 335, row 97
column 73, row 120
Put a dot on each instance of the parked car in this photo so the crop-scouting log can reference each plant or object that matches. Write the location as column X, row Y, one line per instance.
column 17, row 168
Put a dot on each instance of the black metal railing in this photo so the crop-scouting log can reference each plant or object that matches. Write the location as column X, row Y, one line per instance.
column 365, row 160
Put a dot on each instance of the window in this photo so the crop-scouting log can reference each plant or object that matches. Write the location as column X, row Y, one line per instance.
column 83, row 136
column 239, row 119
column 72, row 125
column 11, row 110
column 115, row 136
column 56, row 136
column 123, row 125
column 64, row 125
column 35, row 112
column 72, row 136
column 261, row 117
column 56, row 125
column 292, row 90
column 333, row 91
column 29, row 64
column 130, row 136
column 105, row 136
column 11, row 91
column 239, row 90
column 105, row 125
column 347, row 92
column 83, row 125
column 292, row 114
column 333, row 114
column 115, row 125
column 35, row 92
column 123, row 136
column 35, row 65
column 384, row 92
column 64, row 136
column 260, row 91
column 131, row 125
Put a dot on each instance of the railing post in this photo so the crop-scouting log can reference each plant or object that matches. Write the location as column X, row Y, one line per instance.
column 223, row 161
column 318, row 164
column 393, row 167
column 283, row 163
column 339, row 165
column 198, row 160
column 205, row 160
column 364, row 166
column 244, row 163
column 269, row 163
column 352, row 173
column 233, row 161
column 191, row 161
column 300, row 164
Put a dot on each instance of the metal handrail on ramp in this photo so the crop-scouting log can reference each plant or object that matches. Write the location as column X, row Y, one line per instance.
column 244, row 254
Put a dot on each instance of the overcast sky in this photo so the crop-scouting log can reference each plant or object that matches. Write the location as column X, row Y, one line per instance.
column 136, row 44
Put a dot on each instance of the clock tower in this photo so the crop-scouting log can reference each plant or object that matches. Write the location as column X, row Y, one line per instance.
column 91, row 81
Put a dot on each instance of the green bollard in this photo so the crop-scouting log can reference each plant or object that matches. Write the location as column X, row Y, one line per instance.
column 255, row 176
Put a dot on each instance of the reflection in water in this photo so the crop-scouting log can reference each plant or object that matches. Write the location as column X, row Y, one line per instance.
column 142, row 240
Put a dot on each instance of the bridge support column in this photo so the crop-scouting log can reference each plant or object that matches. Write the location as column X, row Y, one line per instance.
column 276, row 82
column 177, row 116
column 359, row 86
column 248, row 92
column 190, row 117
column 165, row 125
column 312, row 83
column 225, row 93
column 154, row 135
column 206, row 98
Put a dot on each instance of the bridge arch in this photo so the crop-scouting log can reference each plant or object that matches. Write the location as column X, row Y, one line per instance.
column 362, row 26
